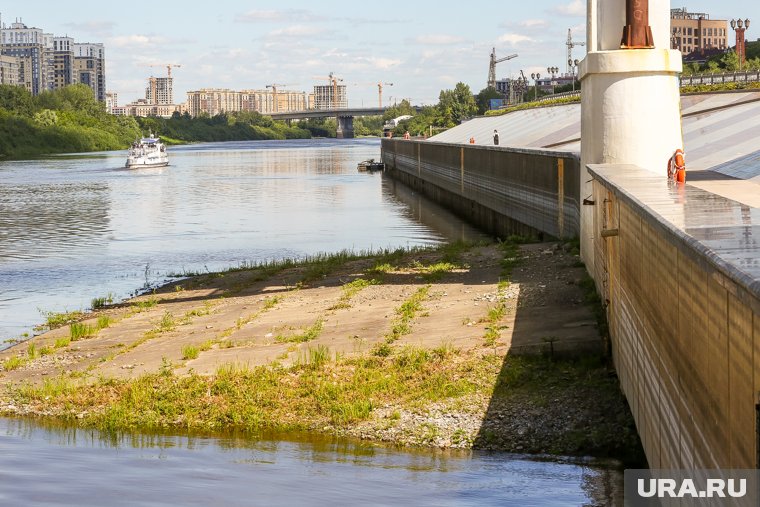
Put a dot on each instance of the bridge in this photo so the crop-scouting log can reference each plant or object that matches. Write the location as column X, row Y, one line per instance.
column 344, row 116
column 677, row 265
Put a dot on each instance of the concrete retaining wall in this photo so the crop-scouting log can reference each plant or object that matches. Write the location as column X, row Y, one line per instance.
column 502, row 190
column 679, row 269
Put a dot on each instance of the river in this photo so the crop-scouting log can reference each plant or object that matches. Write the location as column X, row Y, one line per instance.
column 59, row 466
column 77, row 227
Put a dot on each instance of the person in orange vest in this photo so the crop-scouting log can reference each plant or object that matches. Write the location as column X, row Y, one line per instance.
column 472, row 140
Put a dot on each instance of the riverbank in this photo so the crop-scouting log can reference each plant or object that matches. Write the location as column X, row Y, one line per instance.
column 456, row 347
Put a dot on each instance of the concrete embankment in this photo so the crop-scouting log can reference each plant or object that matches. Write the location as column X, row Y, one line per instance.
column 502, row 190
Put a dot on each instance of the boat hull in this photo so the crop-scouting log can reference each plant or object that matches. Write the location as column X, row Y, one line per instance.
column 144, row 164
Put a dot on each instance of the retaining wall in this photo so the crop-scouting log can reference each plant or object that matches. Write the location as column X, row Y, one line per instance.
column 680, row 271
column 504, row 191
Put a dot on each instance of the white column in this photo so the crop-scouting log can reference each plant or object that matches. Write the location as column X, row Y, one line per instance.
column 630, row 100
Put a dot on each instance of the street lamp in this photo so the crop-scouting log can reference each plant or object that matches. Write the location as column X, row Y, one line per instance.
column 553, row 71
column 573, row 65
column 739, row 27
column 535, row 76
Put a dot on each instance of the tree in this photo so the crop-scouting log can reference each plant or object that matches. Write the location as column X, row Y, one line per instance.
column 730, row 61
column 483, row 98
column 404, row 108
column 16, row 99
column 456, row 105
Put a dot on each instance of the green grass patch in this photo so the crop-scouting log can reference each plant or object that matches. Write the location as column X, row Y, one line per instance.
column 190, row 352
column 14, row 363
column 101, row 302
column 350, row 290
column 54, row 320
column 63, row 342
column 309, row 334
column 80, row 330
column 406, row 313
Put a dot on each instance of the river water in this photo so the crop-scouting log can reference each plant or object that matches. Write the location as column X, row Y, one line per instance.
column 58, row 466
column 73, row 228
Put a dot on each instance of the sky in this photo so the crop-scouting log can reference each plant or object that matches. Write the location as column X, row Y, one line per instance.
column 420, row 47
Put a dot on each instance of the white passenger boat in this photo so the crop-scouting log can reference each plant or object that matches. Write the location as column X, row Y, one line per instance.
column 147, row 152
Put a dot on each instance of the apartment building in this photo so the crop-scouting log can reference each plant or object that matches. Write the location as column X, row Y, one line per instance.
column 160, row 90
column 90, row 67
column 63, row 61
column 330, row 97
column 142, row 107
column 48, row 62
column 213, row 101
column 695, row 31
column 33, row 50
column 9, row 70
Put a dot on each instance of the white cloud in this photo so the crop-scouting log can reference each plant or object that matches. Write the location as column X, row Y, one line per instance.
column 270, row 16
column 299, row 31
column 438, row 40
column 514, row 38
column 574, row 8
column 136, row 41
column 534, row 23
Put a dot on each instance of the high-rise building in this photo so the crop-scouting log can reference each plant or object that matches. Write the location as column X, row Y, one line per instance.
column 160, row 90
column 90, row 67
column 63, row 61
column 695, row 31
column 9, row 70
column 31, row 47
column 47, row 62
column 330, row 97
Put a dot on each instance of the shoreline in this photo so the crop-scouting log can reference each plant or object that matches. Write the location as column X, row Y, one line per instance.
column 413, row 349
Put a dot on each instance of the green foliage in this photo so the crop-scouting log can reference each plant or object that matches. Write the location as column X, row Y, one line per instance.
column 456, row 105
column 484, row 97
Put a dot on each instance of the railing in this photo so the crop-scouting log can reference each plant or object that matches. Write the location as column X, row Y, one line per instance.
column 552, row 96
column 723, row 77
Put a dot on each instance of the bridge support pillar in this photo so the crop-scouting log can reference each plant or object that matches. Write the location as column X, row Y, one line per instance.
column 630, row 99
column 345, row 127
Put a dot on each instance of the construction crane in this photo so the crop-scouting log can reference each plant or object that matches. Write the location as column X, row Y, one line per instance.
column 274, row 94
column 379, row 85
column 492, row 67
column 168, row 67
column 570, row 45
column 380, row 92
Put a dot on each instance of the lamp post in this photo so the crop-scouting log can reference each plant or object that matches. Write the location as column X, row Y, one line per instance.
column 535, row 76
column 553, row 71
column 573, row 65
column 739, row 26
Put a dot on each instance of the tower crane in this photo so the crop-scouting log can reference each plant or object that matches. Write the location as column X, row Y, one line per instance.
column 380, row 92
column 168, row 67
column 570, row 45
column 379, row 85
column 492, row 67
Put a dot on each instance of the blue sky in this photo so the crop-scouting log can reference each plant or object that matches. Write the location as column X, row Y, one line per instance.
column 421, row 47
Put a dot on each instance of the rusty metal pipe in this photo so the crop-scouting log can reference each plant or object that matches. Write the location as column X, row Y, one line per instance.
column 637, row 34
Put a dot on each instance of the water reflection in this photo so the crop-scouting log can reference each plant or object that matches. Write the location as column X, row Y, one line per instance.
column 56, row 465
